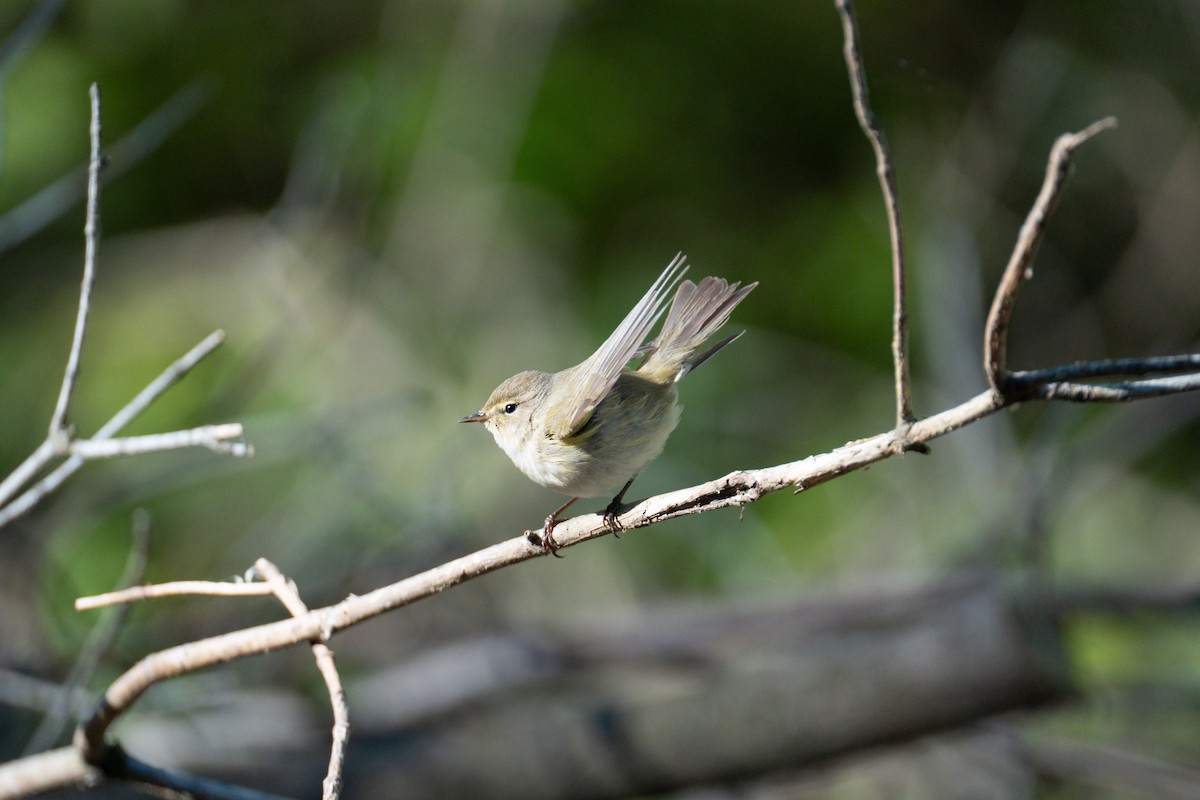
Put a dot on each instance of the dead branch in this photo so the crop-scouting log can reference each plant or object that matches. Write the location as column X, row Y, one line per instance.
column 285, row 590
column 174, row 589
column 887, row 184
column 1020, row 264
column 60, row 441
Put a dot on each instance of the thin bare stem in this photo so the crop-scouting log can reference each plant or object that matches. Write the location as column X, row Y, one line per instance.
column 48, row 204
column 285, row 590
column 1115, row 392
column 173, row 589
column 1109, row 367
column 121, row 765
column 45, row 453
column 218, row 438
column 32, row 465
column 887, row 183
column 59, row 434
column 1018, row 271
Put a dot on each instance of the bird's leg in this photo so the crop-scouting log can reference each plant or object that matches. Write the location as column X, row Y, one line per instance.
column 614, row 508
column 545, row 538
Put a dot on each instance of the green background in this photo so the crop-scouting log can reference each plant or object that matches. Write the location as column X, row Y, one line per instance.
column 390, row 207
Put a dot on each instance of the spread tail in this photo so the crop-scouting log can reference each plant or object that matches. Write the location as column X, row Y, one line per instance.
column 697, row 312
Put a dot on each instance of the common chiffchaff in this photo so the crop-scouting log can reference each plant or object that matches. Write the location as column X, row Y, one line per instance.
column 584, row 430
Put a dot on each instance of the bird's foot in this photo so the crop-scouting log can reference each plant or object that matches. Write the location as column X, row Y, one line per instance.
column 612, row 514
column 545, row 537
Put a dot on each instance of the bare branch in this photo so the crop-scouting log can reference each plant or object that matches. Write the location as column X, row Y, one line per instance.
column 1116, row 392
column 215, row 437
column 174, row 589
column 55, row 769
column 285, row 590
column 887, row 183
column 60, row 439
column 45, row 453
column 736, row 489
column 39, row 773
column 91, row 233
column 50, row 203
column 1111, row 367
column 121, row 765
column 1019, row 269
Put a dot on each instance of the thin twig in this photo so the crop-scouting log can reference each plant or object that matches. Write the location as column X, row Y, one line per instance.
column 32, row 465
column 59, row 434
column 995, row 342
column 44, row 454
column 1115, row 392
column 887, row 183
column 60, row 439
column 119, row 764
column 286, row 591
column 1109, row 367
column 217, row 438
column 37, row 212
column 173, row 589
column 99, row 642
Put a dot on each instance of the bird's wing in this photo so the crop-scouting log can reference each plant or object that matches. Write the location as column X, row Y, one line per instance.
column 601, row 370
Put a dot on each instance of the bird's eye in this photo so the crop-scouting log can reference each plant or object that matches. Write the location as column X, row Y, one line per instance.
column 510, row 408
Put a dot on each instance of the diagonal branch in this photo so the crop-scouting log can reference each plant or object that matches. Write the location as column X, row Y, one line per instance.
column 44, row 454
column 736, row 489
column 1019, row 269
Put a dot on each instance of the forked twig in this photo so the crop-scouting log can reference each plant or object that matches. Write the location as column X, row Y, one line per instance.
column 60, row 440
column 59, row 435
column 285, row 590
column 131, row 410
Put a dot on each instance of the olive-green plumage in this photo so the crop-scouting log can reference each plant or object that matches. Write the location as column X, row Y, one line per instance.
column 589, row 428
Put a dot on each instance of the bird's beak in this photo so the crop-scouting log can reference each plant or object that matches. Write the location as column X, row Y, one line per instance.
column 478, row 416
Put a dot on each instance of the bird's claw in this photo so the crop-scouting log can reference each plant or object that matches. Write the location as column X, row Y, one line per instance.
column 545, row 537
column 612, row 513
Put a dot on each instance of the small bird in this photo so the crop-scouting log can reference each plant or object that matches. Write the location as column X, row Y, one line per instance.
column 584, row 430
